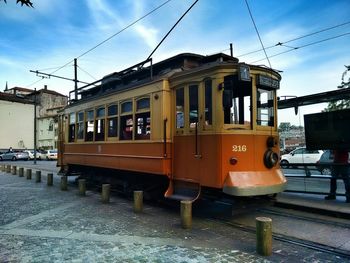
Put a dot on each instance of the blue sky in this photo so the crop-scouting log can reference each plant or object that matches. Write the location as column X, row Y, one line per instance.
column 55, row 32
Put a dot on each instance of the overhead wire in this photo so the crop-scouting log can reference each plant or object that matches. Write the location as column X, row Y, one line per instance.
column 294, row 39
column 303, row 46
column 110, row 37
column 257, row 32
column 86, row 72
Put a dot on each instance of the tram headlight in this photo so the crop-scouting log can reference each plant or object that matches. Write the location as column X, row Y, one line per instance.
column 270, row 158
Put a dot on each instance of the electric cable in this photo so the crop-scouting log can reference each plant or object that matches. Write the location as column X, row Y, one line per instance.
column 303, row 46
column 257, row 32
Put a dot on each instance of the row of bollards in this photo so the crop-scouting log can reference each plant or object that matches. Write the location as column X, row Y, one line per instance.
column 263, row 224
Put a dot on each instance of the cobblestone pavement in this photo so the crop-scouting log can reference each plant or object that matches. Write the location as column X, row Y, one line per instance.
column 44, row 224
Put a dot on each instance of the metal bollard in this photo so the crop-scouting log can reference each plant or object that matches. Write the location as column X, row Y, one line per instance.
column 14, row 169
column 106, row 189
column 21, row 172
column 82, row 187
column 49, row 179
column 8, row 169
column 138, row 201
column 186, row 214
column 264, row 236
column 29, row 174
column 38, row 176
column 64, row 183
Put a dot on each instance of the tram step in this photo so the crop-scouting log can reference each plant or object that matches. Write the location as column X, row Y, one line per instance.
column 179, row 197
column 183, row 190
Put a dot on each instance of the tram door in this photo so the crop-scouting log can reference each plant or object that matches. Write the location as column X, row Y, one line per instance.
column 192, row 140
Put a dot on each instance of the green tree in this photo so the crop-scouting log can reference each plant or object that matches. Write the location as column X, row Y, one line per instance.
column 23, row 2
column 345, row 84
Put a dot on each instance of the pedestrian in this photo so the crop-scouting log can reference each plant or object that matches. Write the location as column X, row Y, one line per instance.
column 10, row 150
column 340, row 169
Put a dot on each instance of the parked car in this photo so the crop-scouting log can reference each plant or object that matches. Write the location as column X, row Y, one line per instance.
column 300, row 156
column 14, row 156
column 50, row 155
column 31, row 154
column 324, row 165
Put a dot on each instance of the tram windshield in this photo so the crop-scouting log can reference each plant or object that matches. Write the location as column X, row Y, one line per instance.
column 237, row 101
column 265, row 107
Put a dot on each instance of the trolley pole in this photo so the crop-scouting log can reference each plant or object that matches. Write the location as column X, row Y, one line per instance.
column 75, row 79
column 35, row 126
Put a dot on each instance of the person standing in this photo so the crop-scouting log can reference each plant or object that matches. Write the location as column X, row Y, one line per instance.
column 340, row 169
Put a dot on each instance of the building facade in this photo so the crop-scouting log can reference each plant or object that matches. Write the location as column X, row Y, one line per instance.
column 17, row 122
column 17, row 118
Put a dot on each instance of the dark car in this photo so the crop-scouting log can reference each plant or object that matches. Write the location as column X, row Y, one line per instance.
column 324, row 165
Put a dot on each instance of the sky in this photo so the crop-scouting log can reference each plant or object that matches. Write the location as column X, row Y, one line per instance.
column 48, row 37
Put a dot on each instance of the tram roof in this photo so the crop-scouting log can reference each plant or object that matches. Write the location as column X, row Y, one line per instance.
column 139, row 74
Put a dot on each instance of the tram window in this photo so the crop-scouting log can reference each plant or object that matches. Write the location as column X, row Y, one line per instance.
column 193, row 94
column 71, row 132
column 265, row 108
column 100, row 124
column 142, row 104
column 112, row 121
column 112, row 127
column 208, row 102
column 126, row 121
column 239, row 110
column 127, row 106
column 80, row 125
column 180, row 103
column 143, row 129
column 89, row 126
column 143, row 119
column 126, row 127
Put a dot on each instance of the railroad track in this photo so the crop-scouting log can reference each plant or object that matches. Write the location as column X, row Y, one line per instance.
column 290, row 240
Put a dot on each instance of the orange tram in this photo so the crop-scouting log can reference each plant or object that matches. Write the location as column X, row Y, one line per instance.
column 180, row 127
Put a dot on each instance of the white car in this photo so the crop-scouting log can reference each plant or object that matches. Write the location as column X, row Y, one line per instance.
column 50, row 155
column 31, row 154
column 301, row 156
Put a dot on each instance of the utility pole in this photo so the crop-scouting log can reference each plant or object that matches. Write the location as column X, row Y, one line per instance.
column 75, row 79
column 35, row 126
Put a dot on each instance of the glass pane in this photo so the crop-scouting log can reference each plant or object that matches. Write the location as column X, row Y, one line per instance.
column 143, row 129
column 193, row 93
column 126, row 127
column 80, row 130
column 90, row 115
column 100, row 130
column 142, row 104
column 112, row 110
column 100, row 112
column 208, row 103
column 265, row 107
column 80, row 116
column 180, row 103
column 127, row 106
column 72, row 118
column 112, row 127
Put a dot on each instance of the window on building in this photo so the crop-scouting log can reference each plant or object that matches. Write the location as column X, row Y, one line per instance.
column 193, row 110
column 71, row 132
column 208, row 107
column 112, row 120
column 80, row 124
column 143, row 119
column 126, row 121
column 100, row 124
column 180, row 105
column 89, row 126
